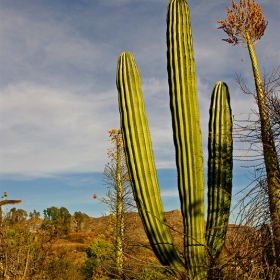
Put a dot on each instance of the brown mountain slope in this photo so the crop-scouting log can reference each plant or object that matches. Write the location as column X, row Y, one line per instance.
column 244, row 246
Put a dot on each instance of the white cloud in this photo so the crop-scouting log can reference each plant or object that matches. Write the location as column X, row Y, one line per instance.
column 170, row 193
column 51, row 130
column 58, row 61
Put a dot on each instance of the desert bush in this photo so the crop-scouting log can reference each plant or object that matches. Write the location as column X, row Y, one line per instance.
column 99, row 262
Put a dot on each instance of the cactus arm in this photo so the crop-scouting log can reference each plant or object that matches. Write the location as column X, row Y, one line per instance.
column 187, row 135
column 219, row 168
column 140, row 162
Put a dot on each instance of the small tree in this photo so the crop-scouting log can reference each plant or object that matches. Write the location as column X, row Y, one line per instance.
column 80, row 220
column 34, row 215
column 57, row 220
column 119, row 195
column 245, row 25
column 24, row 249
column 29, row 252
column 17, row 215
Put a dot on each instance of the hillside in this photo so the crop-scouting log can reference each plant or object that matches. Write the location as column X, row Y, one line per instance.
column 134, row 232
column 240, row 241
column 242, row 253
column 50, row 254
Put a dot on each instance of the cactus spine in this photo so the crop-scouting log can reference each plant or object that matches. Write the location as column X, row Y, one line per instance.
column 188, row 146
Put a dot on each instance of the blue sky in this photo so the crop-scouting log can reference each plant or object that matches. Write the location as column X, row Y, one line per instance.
column 58, row 96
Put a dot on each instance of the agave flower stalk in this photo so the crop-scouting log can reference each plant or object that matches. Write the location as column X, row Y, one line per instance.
column 245, row 25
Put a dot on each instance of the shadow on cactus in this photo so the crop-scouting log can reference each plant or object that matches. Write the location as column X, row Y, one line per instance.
column 201, row 246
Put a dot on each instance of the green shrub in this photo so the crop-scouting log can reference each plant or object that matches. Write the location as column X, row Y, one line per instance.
column 98, row 259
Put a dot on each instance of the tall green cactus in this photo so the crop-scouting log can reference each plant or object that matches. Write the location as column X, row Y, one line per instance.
column 186, row 130
column 189, row 157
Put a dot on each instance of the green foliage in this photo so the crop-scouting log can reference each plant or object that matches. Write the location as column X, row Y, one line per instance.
column 22, row 251
column 80, row 220
column 100, row 249
column 16, row 215
column 151, row 273
column 98, row 255
column 16, row 244
column 34, row 215
column 57, row 220
column 28, row 252
column 63, row 267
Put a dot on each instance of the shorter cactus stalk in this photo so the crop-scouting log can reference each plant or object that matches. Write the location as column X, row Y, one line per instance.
column 219, row 168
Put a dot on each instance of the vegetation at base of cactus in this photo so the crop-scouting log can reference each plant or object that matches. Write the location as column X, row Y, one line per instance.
column 246, row 21
column 188, row 146
column 219, row 168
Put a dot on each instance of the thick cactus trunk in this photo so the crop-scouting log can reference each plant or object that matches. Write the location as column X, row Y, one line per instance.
column 140, row 162
column 219, row 170
column 187, row 135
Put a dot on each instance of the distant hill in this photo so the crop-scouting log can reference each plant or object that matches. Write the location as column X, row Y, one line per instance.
column 243, row 245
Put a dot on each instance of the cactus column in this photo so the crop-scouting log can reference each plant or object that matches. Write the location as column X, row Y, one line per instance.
column 186, row 131
column 219, row 169
column 140, row 162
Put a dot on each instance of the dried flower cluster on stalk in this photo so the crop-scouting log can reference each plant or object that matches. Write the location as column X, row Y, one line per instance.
column 243, row 18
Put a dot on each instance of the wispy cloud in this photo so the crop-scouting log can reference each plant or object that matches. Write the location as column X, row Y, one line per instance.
column 49, row 130
column 170, row 193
